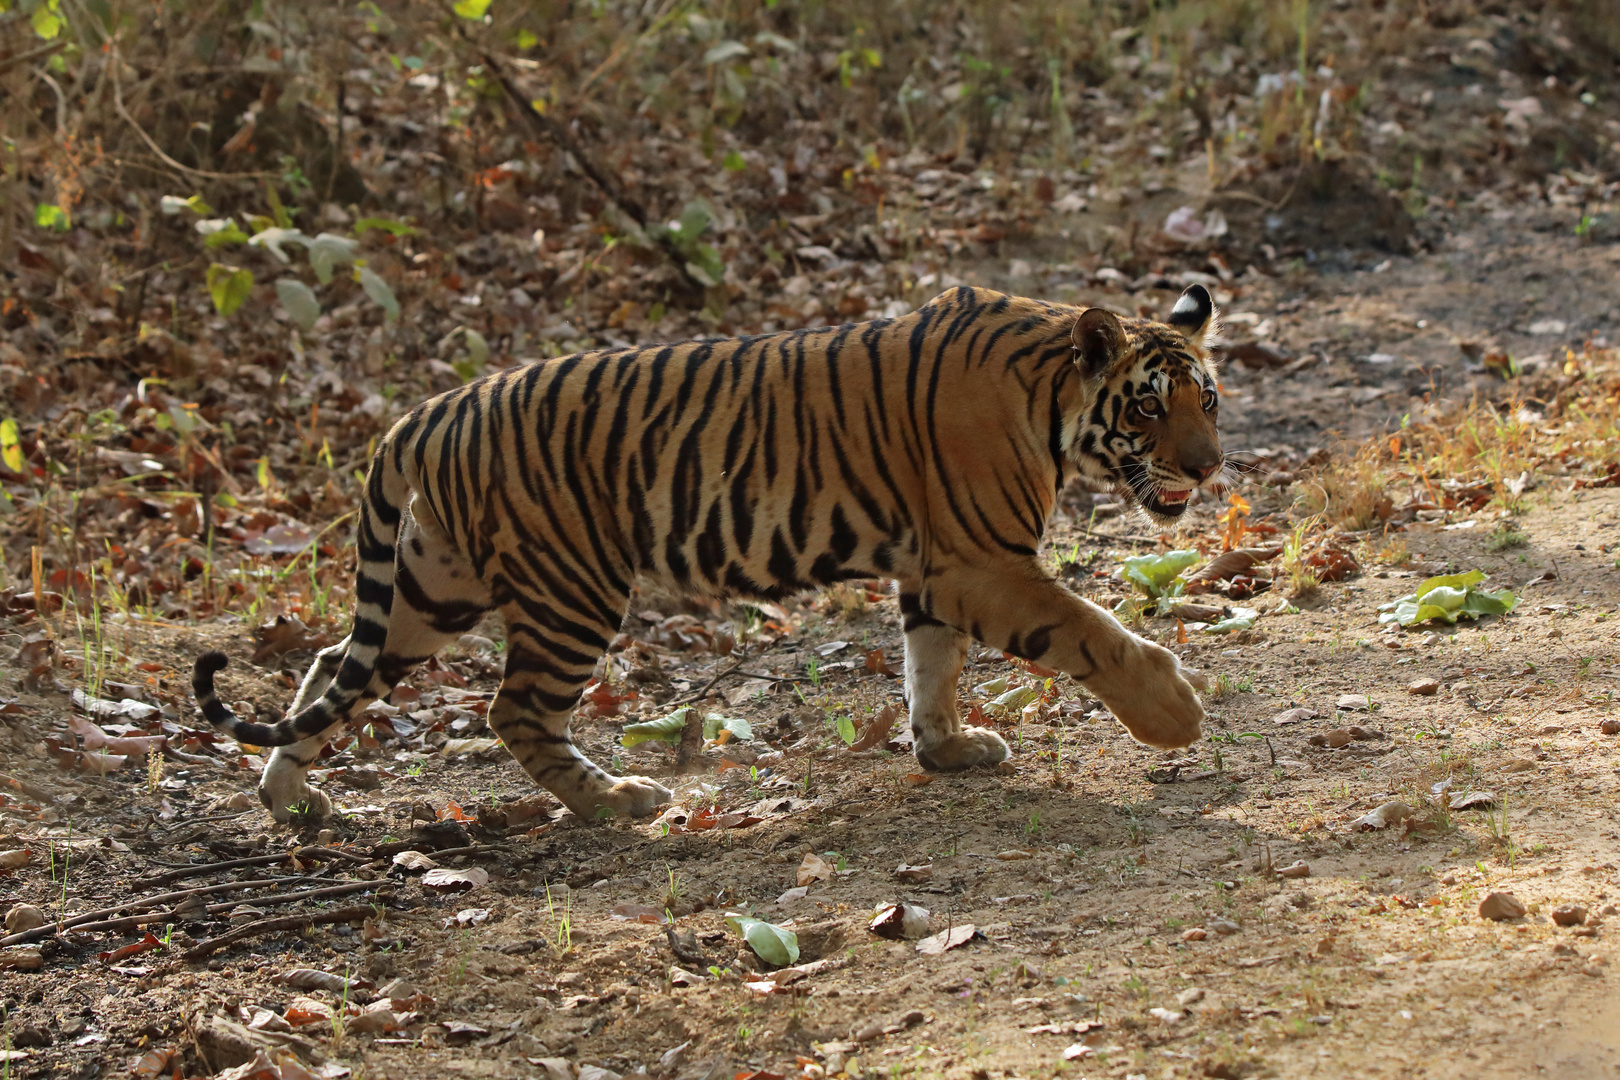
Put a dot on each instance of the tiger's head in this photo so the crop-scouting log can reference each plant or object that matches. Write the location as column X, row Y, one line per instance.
column 1149, row 423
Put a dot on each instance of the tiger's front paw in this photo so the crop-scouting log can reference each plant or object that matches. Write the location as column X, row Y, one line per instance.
column 290, row 799
column 628, row 796
column 965, row 749
column 1154, row 700
column 284, row 790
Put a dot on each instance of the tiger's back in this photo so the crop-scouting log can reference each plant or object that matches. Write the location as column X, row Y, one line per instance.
column 927, row 449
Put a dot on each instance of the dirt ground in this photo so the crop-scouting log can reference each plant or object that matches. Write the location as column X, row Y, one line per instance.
column 1125, row 916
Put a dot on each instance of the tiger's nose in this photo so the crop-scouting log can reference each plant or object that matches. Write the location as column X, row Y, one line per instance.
column 1201, row 467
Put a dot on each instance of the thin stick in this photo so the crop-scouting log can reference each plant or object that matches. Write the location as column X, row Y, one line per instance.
column 236, row 864
column 150, row 918
column 698, row 694
column 204, row 949
column 118, row 103
column 88, row 917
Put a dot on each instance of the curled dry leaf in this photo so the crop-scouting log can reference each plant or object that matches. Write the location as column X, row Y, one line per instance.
column 814, row 868
column 24, row 917
column 947, row 939
column 414, row 860
column 921, row 872
column 94, row 738
column 445, row 880
column 876, row 731
column 15, row 859
column 1229, row 564
column 894, row 921
column 1391, row 813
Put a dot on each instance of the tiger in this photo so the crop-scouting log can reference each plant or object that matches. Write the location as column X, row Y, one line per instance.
column 928, row 450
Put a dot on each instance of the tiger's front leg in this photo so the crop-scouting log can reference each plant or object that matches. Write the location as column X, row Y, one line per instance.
column 1017, row 607
column 935, row 654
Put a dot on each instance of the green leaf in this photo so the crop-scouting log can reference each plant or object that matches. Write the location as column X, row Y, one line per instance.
column 665, row 729
column 11, row 447
column 387, row 225
column 733, row 162
column 1241, row 618
column 997, row 685
column 772, row 944
column 846, row 729
column 1154, row 573
column 1488, row 603
column 1447, row 599
column 327, row 250
column 229, row 286
column 527, row 39
column 477, row 346
column 217, row 232
column 714, row 724
column 299, row 300
column 45, row 20
column 1014, row 700
column 1450, row 581
column 379, row 292
column 471, row 9
column 173, row 204
column 273, row 237
column 51, row 216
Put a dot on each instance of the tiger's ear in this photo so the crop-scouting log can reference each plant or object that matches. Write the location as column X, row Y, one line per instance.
column 1194, row 315
column 1098, row 340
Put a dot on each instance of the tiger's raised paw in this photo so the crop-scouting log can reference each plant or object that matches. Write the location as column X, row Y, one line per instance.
column 966, row 749
column 629, row 796
column 1158, row 704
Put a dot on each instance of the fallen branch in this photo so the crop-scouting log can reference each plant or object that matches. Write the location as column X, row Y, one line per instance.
column 697, row 694
column 85, row 919
column 315, row 853
column 159, row 918
column 204, row 949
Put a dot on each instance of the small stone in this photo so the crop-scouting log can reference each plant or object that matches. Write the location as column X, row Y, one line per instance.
column 1423, row 687
column 1190, row 996
column 1195, row 933
column 1501, row 907
column 1224, row 926
column 1569, row 915
column 1610, row 727
column 24, row 917
column 1610, row 909
column 1338, row 737
column 1552, row 729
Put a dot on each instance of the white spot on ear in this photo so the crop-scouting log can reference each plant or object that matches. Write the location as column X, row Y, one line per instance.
column 1185, row 305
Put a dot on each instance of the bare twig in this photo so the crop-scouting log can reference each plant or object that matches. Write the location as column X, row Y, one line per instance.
column 198, row 870
column 135, row 906
column 31, row 55
column 118, row 103
column 158, row 918
column 204, row 949
column 697, row 694
column 564, row 139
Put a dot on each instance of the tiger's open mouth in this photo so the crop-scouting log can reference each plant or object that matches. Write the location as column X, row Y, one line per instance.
column 1162, row 504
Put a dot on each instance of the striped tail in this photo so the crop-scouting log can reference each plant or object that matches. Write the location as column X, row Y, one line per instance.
column 386, row 492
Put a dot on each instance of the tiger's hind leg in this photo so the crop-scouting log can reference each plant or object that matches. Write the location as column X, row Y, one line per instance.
column 552, row 648
column 935, row 654
column 437, row 598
